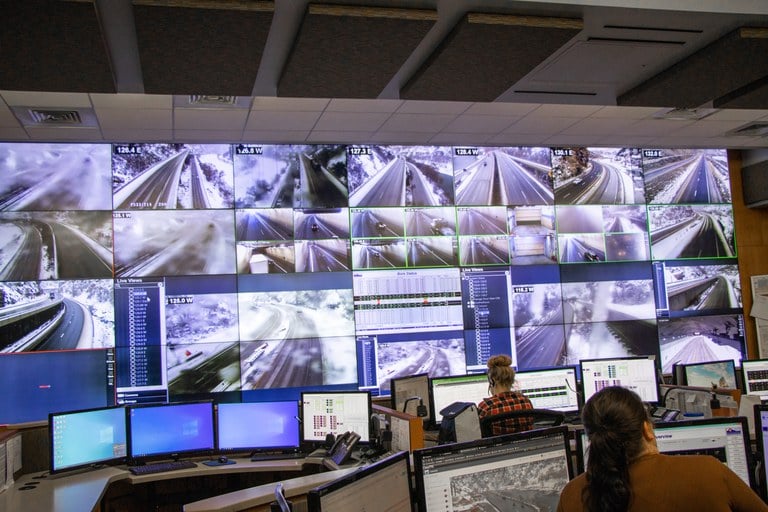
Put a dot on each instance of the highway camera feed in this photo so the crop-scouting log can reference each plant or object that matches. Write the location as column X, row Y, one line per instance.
column 438, row 358
column 172, row 176
column 533, row 485
column 598, row 176
column 686, row 176
column 699, row 339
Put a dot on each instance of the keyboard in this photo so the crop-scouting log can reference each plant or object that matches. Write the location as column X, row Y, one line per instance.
column 161, row 467
column 256, row 457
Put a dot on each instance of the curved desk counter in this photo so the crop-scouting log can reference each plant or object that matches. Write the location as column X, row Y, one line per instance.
column 82, row 492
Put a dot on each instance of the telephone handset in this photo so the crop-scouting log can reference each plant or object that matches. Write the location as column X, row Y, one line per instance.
column 342, row 448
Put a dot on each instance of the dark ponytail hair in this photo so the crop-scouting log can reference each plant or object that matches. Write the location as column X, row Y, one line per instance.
column 613, row 419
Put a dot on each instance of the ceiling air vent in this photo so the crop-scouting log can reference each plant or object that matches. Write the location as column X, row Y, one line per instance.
column 211, row 99
column 684, row 114
column 68, row 117
column 754, row 129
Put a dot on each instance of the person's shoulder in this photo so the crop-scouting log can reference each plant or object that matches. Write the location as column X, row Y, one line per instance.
column 571, row 495
column 698, row 461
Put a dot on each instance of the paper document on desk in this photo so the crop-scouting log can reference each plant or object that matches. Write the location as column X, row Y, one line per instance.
column 401, row 434
column 760, row 312
column 4, row 484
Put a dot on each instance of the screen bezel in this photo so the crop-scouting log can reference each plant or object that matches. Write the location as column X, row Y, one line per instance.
column 653, row 359
column 557, row 369
column 487, row 442
column 688, row 366
column 758, row 409
column 95, row 463
column 436, row 417
column 169, row 454
column 364, row 439
column 253, row 448
column 314, row 496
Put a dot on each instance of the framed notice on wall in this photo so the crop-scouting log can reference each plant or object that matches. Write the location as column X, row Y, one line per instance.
column 760, row 312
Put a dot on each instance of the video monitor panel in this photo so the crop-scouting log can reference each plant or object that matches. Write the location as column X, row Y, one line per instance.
column 55, row 245
column 761, row 442
column 169, row 431
column 699, row 287
column 532, row 236
column 638, row 374
column 87, row 438
column 686, row 176
column 711, row 374
column 321, row 223
column 57, row 315
column 598, row 175
column 531, row 467
column 755, row 377
column 550, row 388
column 456, row 388
column 328, row 412
column 258, row 426
column 55, row 176
column 399, row 175
column 700, row 339
column 691, row 231
column 363, row 487
column 264, row 224
column 502, row 175
column 39, row 383
column 172, row 176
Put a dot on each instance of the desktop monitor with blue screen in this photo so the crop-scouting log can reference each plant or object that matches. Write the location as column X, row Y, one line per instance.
column 755, row 377
column 408, row 393
column 495, row 473
column 550, row 388
column 335, row 412
column 636, row 373
column 457, row 388
column 170, row 431
column 385, row 483
column 87, row 438
column 761, row 439
column 726, row 439
column 258, row 426
column 721, row 374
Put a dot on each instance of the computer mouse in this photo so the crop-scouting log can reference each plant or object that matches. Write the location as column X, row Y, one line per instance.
column 223, row 459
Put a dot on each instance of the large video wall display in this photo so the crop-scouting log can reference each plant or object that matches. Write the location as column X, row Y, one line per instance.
column 251, row 272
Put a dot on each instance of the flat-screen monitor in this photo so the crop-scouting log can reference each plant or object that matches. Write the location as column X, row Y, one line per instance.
column 170, row 431
column 387, row 483
column 527, row 467
column 39, row 383
column 258, row 426
column 550, row 388
column 335, row 412
column 755, row 377
column 726, row 439
column 415, row 390
column 761, row 435
column 87, row 438
column 636, row 373
column 456, row 388
column 712, row 373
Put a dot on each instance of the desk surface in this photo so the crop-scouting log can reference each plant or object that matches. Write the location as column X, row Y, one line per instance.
column 82, row 492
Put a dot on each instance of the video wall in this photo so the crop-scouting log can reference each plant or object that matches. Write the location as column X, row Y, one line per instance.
column 253, row 272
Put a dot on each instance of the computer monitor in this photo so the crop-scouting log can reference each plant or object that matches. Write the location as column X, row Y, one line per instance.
column 456, row 388
column 170, row 431
column 755, row 377
column 711, row 373
column 335, row 412
column 527, row 467
column 414, row 389
column 258, row 426
column 87, row 438
column 636, row 373
column 550, row 388
column 725, row 438
column 761, row 441
column 387, row 483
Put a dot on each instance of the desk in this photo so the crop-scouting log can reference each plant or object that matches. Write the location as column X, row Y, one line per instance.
column 83, row 492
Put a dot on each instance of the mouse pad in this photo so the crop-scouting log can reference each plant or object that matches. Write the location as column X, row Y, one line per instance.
column 217, row 463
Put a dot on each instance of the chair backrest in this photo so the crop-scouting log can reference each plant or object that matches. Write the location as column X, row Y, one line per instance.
column 541, row 418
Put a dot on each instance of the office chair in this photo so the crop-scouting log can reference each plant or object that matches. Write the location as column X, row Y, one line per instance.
column 541, row 418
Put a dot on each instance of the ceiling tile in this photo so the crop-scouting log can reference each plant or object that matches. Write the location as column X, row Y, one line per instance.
column 593, row 127
column 68, row 133
column 358, row 105
column 460, row 138
column 654, row 127
column 13, row 133
column 7, row 119
column 417, row 122
column 543, row 125
column 209, row 135
column 707, row 128
column 736, row 115
column 282, row 121
column 339, row 137
column 351, row 122
column 433, row 107
column 613, row 112
column 46, row 99
column 290, row 104
column 517, row 139
column 275, row 137
column 548, row 110
column 466, row 123
column 126, row 118
column 137, row 135
column 499, row 108
column 398, row 137
column 149, row 101
column 211, row 119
